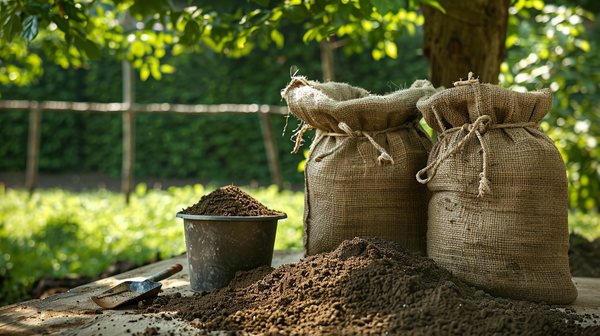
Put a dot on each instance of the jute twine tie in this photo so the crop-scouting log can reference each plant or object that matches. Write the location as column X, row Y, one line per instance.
column 383, row 159
column 478, row 129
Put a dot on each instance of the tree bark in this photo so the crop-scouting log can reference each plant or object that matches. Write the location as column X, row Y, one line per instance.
column 469, row 37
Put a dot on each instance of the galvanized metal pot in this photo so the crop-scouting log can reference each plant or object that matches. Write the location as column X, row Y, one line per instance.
column 219, row 246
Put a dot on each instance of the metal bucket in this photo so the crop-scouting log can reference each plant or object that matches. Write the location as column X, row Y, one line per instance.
column 219, row 246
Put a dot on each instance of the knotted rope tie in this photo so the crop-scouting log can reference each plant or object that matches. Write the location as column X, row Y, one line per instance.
column 479, row 127
column 383, row 159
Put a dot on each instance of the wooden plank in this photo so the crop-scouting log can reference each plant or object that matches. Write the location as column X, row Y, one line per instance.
column 271, row 148
column 33, row 149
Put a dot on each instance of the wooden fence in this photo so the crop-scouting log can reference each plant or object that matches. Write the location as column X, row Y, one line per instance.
column 128, row 111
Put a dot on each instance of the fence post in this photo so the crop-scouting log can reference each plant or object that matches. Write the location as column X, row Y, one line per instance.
column 33, row 147
column 327, row 64
column 128, row 169
column 271, row 148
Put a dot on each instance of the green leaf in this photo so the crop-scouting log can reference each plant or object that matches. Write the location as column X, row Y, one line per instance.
column 89, row 26
column 159, row 53
column 80, row 45
column 264, row 3
column 87, row 48
column 434, row 4
column 397, row 5
column 192, row 31
column 155, row 71
column 166, row 68
column 138, row 49
column 174, row 17
column 73, row 12
column 80, row 32
column 12, row 27
column 377, row 54
column 366, row 7
column 32, row 7
column 278, row 38
column 584, row 45
column 141, row 9
column 391, row 49
column 383, row 6
column 92, row 50
column 61, row 23
column 296, row 13
column 357, row 13
column 310, row 35
column 144, row 72
column 30, row 28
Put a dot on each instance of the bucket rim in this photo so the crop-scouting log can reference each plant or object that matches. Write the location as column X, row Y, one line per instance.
column 232, row 218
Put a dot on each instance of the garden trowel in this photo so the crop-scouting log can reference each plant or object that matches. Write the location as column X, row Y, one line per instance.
column 129, row 291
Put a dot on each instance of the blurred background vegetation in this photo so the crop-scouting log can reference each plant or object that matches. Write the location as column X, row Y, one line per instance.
column 57, row 233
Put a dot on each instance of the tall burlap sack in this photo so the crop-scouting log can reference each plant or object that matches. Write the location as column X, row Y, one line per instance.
column 359, row 174
column 498, row 210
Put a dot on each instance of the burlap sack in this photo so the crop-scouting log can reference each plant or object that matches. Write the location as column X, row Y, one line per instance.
column 498, row 210
column 359, row 174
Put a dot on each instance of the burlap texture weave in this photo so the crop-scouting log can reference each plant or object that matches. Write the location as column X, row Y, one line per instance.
column 359, row 174
column 498, row 209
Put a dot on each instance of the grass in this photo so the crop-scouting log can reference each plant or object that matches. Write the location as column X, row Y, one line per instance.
column 56, row 233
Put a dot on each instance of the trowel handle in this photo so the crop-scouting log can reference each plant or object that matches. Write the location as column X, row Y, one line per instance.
column 166, row 273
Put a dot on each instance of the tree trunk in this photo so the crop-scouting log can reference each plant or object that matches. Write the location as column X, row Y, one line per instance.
column 469, row 37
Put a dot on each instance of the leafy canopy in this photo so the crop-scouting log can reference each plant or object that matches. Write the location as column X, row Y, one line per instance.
column 69, row 32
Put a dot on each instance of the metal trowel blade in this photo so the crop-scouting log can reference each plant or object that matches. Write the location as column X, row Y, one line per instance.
column 127, row 291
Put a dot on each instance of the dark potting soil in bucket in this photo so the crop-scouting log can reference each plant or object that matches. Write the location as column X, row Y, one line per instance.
column 229, row 201
column 365, row 286
column 225, row 232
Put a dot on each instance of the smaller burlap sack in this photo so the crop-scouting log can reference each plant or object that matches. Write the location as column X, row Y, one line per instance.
column 498, row 209
column 359, row 174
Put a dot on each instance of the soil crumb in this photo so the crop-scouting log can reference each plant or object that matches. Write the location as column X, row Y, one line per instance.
column 150, row 331
column 584, row 257
column 229, row 201
column 365, row 286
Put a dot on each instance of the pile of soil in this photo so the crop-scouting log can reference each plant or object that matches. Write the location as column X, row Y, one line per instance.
column 229, row 201
column 584, row 257
column 364, row 286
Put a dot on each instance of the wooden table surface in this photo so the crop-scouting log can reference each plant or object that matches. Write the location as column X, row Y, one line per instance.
column 74, row 313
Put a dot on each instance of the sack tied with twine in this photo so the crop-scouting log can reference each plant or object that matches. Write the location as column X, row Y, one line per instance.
column 498, row 209
column 359, row 174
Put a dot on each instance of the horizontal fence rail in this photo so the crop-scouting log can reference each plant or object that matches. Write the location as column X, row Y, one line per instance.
column 62, row 106
column 35, row 119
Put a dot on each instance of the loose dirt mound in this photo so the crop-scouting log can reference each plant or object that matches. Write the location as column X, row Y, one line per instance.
column 364, row 286
column 584, row 257
column 229, row 201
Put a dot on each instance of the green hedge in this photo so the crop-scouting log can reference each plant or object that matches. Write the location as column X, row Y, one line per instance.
column 220, row 147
